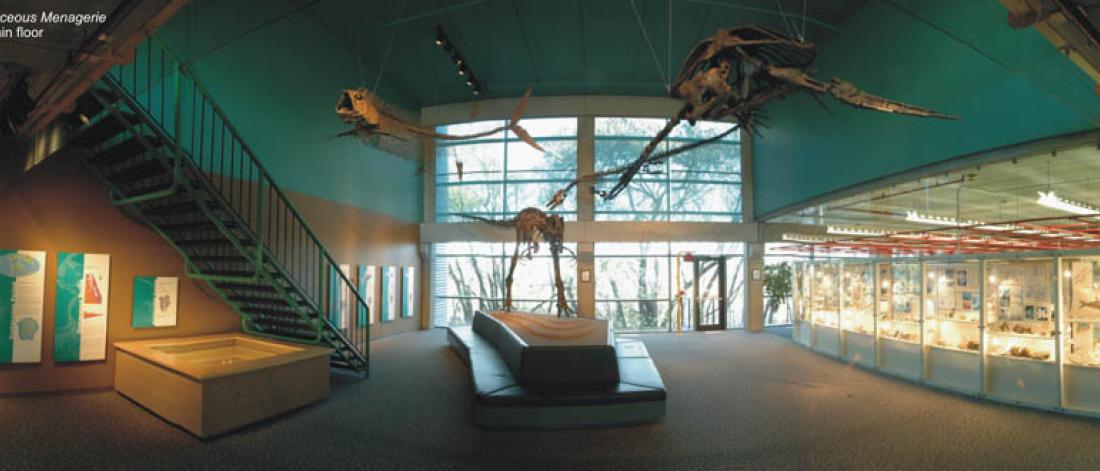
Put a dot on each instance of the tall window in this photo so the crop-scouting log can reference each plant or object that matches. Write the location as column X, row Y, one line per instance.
column 636, row 283
column 500, row 174
column 469, row 276
column 703, row 184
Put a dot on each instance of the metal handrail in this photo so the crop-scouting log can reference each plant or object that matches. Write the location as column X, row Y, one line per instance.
column 294, row 242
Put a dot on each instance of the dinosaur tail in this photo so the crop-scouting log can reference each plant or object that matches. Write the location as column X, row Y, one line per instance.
column 495, row 222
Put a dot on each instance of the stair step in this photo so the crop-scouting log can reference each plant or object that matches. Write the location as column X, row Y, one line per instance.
column 232, row 286
column 145, row 190
column 274, row 313
column 233, row 273
column 104, row 129
column 265, row 314
column 302, row 332
column 124, row 151
column 240, row 298
column 147, row 169
column 216, row 258
column 210, row 242
column 88, row 106
column 201, row 225
column 174, row 209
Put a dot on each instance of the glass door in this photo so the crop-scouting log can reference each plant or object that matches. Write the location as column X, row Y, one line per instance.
column 707, row 290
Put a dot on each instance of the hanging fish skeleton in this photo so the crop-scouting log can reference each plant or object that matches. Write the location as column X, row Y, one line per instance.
column 731, row 75
column 370, row 118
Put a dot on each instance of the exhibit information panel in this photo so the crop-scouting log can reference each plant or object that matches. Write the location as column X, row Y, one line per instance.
column 22, row 289
column 389, row 294
column 155, row 299
column 408, row 292
column 368, row 280
column 80, row 323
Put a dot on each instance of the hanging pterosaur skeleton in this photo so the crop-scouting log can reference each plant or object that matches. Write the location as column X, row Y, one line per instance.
column 730, row 76
column 370, row 118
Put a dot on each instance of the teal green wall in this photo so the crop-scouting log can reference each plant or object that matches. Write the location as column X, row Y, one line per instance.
column 278, row 81
column 1008, row 86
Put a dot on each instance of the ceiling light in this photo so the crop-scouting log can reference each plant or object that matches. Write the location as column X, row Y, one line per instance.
column 1053, row 201
column 852, row 231
column 470, row 81
column 997, row 227
column 913, row 216
column 477, row 92
column 808, row 239
column 461, row 71
column 457, row 59
column 440, row 39
column 1027, row 231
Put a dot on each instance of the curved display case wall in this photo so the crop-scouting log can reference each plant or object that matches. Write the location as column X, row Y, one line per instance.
column 1011, row 328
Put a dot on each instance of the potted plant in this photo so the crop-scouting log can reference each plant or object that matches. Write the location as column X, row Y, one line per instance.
column 777, row 287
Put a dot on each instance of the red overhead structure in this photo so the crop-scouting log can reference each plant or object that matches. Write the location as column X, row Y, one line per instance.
column 1026, row 235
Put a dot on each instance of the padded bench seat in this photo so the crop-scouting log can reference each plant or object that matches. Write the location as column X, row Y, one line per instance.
column 501, row 402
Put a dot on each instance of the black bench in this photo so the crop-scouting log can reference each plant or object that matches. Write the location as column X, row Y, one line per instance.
column 550, row 398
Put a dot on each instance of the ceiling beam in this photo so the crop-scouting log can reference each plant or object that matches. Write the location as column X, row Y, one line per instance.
column 431, row 13
column 768, row 11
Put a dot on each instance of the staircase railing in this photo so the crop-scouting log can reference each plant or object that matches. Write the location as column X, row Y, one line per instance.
column 182, row 108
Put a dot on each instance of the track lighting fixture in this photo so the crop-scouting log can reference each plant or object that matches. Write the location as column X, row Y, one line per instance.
column 456, row 58
column 440, row 38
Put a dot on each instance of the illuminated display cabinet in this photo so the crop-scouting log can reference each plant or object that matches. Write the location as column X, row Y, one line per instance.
column 898, row 318
column 857, row 312
column 825, row 307
column 1017, row 329
column 952, row 320
column 800, row 297
column 1081, row 339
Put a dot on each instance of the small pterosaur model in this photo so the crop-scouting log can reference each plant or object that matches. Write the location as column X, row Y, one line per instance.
column 359, row 107
column 731, row 75
column 532, row 227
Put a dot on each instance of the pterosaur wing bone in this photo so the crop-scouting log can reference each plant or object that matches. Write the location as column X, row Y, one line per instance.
column 845, row 92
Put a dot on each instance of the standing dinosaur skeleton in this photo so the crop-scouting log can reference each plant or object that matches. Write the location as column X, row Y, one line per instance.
column 730, row 76
column 532, row 227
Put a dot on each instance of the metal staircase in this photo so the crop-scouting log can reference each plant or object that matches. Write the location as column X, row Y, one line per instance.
column 153, row 133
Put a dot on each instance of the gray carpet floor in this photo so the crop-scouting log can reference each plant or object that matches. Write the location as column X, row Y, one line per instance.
column 736, row 401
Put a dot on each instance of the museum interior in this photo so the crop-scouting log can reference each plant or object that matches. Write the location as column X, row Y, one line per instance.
column 526, row 234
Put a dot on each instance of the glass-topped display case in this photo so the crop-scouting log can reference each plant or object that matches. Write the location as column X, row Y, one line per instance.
column 857, row 298
column 824, row 306
column 899, row 315
column 952, row 305
column 1081, row 303
column 1019, row 309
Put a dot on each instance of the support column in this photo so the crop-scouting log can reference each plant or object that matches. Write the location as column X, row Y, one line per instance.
column 754, row 287
column 747, row 194
column 586, row 205
column 427, row 159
